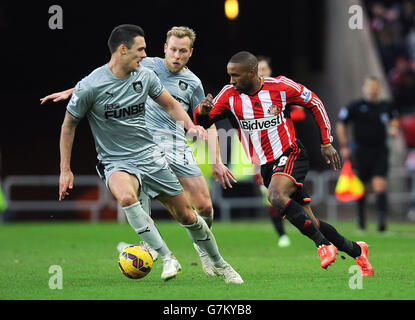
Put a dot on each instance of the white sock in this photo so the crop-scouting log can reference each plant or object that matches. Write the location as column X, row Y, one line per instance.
column 201, row 235
column 209, row 220
column 142, row 223
column 145, row 201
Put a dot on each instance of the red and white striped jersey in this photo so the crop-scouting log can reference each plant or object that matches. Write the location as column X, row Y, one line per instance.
column 263, row 129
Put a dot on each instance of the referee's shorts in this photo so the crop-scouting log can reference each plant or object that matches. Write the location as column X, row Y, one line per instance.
column 370, row 162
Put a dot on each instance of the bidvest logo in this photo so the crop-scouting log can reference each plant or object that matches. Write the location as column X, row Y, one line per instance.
column 260, row 124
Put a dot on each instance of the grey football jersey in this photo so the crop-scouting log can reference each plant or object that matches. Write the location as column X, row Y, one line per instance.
column 115, row 109
column 184, row 86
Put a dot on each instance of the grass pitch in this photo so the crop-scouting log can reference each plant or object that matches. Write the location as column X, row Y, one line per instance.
column 87, row 256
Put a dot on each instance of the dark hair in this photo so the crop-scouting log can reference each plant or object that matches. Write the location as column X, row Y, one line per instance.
column 124, row 34
column 264, row 58
column 245, row 58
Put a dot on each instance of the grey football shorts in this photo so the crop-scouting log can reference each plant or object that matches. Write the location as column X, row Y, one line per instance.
column 155, row 179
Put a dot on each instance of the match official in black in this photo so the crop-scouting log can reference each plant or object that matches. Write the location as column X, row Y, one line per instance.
column 373, row 119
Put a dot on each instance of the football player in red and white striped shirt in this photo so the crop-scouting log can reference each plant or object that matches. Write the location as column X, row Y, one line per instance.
column 259, row 108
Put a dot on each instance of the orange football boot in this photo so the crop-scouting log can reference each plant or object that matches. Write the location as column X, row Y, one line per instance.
column 327, row 254
column 366, row 268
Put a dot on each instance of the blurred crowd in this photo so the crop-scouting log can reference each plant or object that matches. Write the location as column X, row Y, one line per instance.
column 393, row 25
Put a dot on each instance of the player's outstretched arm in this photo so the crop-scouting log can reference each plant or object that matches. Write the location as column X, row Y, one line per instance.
column 58, row 96
column 66, row 178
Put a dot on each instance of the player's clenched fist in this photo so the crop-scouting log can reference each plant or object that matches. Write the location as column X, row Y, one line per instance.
column 206, row 104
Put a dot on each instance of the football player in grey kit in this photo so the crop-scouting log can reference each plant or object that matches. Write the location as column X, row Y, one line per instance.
column 186, row 88
column 113, row 99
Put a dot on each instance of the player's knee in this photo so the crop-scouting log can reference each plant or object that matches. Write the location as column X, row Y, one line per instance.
column 277, row 199
column 205, row 209
column 127, row 199
column 187, row 218
column 184, row 214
